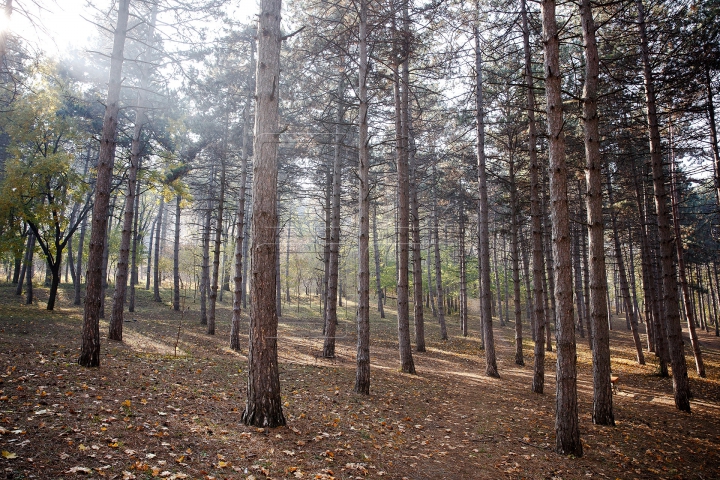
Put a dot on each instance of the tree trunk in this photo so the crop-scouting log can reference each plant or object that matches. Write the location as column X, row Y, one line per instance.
column 402, row 101
column 577, row 272
column 498, row 288
column 150, row 254
column 376, row 250
column 675, row 199
column 176, row 257
column 264, row 407
column 463, row 268
column 240, row 230
column 624, row 286
column 156, row 259
column 213, row 293
column 205, row 268
column 681, row 386
column 567, row 428
column 333, row 267
column 418, row 314
column 713, row 133
column 538, row 264
column 29, row 271
column 90, row 352
column 134, row 250
column 23, row 270
column 362, row 374
column 483, row 216
column 515, row 262
column 713, row 296
column 78, row 266
column 438, row 265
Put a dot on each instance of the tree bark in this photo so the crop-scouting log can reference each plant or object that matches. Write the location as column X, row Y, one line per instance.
column 681, row 386
column 376, row 250
column 515, row 262
column 567, row 428
column 134, row 250
column 362, row 372
column 205, row 268
column 90, row 352
column 240, row 231
column 624, row 284
column 689, row 310
column 212, row 297
column 264, row 407
column 332, row 290
column 29, row 270
column 402, row 101
column 483, row 217
column 418, row 314
column 538, row 263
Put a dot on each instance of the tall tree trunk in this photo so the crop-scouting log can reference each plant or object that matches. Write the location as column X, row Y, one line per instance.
column 624, row 286
column 264, row 407
column 376, row 251
column 213, row 293
column 515, row 262
column 498, row 289
column 438, row 266
column 176, row 257
column 577, row 275
column 675, row 199
column 134, row 250
column 150, row 255
column 463, row 268
column 538, row 264
column 483, row 215
column 332, row 290
column 362, row 373
column 602, row 413
column 551, row 311
column 681, row 386
column 402, row 102
column 78, row 266
column 240, row 230
column 567, row 428
column 713, row 295
column 156, row 259
column 205, row 268
column 418, row 314
column 90, row 352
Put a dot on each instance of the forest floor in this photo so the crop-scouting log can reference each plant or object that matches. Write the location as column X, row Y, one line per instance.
column 167, row 403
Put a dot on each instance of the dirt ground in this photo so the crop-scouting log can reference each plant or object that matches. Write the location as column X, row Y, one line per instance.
column 167, row 403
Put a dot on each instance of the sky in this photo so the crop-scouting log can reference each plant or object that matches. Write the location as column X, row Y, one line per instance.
column 58, row 25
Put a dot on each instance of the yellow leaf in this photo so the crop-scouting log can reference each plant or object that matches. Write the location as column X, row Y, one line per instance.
column 127, row 403
column 8, row 455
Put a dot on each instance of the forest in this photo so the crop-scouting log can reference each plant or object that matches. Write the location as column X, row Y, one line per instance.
column 360, row 238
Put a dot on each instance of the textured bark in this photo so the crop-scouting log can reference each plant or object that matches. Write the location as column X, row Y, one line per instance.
column 77, row 300
column 362, row 372
column 498, row 293
column 23, row 270
column 538, row 264
column 567, row 428
column 689, row 309
column 624, row 284
column 602, row 413
column 681, row 386
column 376, row 250
column 402, row 100
column 90, row 351
column 333, row 267
column 713, row 133
column 148, row 269
column 483, row 219
column 264, row 408
column 418, row 314
column 577, row 275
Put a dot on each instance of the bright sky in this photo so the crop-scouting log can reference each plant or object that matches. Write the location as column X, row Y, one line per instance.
column 59, row 24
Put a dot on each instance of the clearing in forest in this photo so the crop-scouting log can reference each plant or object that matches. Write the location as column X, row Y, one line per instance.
column 167, row 403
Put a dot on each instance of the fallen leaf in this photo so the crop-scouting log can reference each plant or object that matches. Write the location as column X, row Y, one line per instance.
column 8, row 455
column 80, row 470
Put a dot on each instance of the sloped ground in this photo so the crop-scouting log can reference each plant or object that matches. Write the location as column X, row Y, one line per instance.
column 167, row 403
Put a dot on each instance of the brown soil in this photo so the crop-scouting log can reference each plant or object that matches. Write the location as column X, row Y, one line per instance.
column 154, row 410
